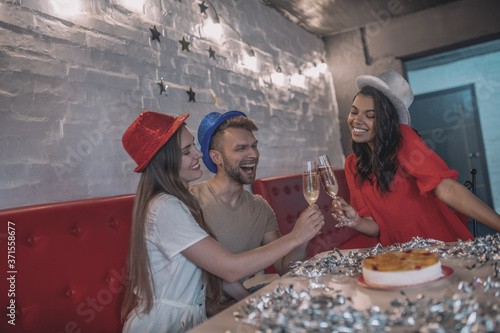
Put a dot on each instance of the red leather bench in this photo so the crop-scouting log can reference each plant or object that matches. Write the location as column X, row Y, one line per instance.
column 68, row 265
column 284, row 194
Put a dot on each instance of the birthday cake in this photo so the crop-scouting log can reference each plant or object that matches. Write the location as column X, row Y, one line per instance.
column 402, row 268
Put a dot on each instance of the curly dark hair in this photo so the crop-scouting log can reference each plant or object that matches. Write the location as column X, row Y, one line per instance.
column 382, row 160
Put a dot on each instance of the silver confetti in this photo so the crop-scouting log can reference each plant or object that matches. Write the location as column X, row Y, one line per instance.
column 321, row 309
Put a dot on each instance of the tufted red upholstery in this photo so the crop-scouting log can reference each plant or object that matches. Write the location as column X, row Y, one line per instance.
column 70, row 264
column 284, row 194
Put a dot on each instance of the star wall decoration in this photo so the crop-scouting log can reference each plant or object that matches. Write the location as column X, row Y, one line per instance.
column 184, row 44
column 155, row 34
column 163, row 87
column 211, row 53
column 203, row 7
column 191, row 94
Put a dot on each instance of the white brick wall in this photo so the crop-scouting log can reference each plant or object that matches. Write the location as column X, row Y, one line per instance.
column 71, row 85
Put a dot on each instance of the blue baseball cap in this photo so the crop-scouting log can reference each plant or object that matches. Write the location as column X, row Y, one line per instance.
column 207, row 128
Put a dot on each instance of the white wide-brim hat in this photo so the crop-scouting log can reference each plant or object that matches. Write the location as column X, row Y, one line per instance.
column 394, row 86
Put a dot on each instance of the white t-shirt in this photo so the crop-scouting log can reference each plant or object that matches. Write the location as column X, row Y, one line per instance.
column 179, row 291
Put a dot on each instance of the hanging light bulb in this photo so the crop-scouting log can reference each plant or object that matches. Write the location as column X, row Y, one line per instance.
column 314, row 70
column 322, row 67
column 133, row 5
column 212, row 29
column 298, row 80
column 278, row 78
column 250, row 60
column 67, row 8
column 311, row 71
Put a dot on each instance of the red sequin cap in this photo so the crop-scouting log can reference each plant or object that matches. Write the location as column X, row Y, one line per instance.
column 147, row 134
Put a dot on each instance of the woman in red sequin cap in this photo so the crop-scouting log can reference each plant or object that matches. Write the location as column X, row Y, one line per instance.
column 173, row 257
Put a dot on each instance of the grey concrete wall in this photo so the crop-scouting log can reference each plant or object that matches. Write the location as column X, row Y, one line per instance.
column 389, row 38
column 483, row 71
column 72, row 82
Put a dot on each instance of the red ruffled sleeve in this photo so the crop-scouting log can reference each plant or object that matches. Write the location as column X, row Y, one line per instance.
column 356, row 197
column 418, row 160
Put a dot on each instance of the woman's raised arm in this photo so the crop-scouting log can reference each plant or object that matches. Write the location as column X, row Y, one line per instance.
column 214, row 258
column 455, row 195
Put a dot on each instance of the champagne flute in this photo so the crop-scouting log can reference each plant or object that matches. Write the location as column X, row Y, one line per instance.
column 310, row 182
column 330, row 184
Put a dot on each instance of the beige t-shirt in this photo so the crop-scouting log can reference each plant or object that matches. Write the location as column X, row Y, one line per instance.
column 240, row 228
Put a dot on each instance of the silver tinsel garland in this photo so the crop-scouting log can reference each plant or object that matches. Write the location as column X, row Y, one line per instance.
column 321, row 309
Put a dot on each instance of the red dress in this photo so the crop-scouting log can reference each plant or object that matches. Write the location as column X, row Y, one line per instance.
column 411, row 208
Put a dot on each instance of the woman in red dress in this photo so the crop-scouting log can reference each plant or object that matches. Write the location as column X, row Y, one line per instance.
column 399, row 187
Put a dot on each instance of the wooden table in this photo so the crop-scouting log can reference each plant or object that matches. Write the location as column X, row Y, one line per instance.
column 362, row 297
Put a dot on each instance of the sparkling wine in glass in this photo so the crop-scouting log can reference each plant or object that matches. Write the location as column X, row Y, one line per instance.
column 330, row 183
column 310, row 182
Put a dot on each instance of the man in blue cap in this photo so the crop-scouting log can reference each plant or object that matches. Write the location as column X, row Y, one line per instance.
column 240, row 220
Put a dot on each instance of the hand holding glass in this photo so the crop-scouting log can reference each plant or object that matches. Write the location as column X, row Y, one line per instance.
column 310, row 182
column 330, row 184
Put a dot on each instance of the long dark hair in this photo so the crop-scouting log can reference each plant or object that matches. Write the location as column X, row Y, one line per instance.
column 382, row 160
column 161, row 175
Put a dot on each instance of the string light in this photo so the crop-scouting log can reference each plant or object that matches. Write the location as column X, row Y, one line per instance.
column 322, row 67
column 278, row 77
column 250, row 61
column 298, row 80
column 133, row 5
column 212, row 30
column 67, row 8
column 216, row 18
column 314, row 70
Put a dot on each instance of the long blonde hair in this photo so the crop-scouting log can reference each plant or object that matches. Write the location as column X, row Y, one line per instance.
column 161, row 175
